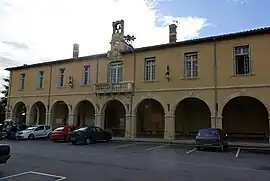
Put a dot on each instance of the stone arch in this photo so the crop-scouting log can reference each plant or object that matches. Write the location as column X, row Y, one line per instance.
column 84, row 113
column 191, row 114
column 19, row 112
column 150, row 118
column 59, row 113
column 157, row 98
column 210, row 106
column 246, row 117
column 37, row 113
column 114, row 117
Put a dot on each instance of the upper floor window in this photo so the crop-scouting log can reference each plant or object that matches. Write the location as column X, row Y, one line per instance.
column 150, row 69
column 61, row 77
column 242, row 60
column 40, row 82
column 22, row 81
column 115, row 72
column 191, row 65
column 86, row 75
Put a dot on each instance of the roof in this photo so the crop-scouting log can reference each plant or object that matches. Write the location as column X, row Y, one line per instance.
column 229, row 36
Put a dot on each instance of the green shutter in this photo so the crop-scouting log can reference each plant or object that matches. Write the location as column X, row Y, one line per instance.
column 121, row 72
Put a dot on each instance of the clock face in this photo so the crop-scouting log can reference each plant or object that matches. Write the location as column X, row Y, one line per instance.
column 116, row 43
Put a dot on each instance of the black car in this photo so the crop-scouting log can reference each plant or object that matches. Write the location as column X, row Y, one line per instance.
column 4, row 153
column 211, row 137
column 89, row 134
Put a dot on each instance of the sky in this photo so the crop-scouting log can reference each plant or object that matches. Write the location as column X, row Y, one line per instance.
column 33, row 31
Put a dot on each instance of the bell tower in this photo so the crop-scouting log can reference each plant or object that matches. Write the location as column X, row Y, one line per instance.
column 117, row 41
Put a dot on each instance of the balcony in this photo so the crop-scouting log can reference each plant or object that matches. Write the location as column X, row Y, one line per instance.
column 114, row 88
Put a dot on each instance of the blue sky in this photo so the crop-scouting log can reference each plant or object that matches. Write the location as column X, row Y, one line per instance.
column 223, row 15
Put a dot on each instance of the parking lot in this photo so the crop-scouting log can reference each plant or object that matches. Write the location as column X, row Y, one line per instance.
column 120, row 161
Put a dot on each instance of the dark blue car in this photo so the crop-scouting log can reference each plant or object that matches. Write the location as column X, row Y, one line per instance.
column 211, row 137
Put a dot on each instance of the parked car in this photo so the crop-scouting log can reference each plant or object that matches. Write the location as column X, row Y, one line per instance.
column 62, row 133
column 211, row 137
column 89, row 134
column 33, row 132
column 4, row 153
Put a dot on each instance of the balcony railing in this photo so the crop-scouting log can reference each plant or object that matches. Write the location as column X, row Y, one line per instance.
column 107, row 88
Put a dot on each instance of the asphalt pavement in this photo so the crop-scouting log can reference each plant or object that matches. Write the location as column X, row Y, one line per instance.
column 43, row 160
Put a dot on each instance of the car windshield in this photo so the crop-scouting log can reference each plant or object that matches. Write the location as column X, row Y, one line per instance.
column 31, row 128
column 208, row 132
column 81, row 129
column 59, row 129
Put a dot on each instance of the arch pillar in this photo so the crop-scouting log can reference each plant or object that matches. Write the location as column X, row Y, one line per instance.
column 218, row 124
column 70, row 120
column 169, row 133
column 98, row 121
column 269, row 130
column 27, row 119
column 48, row 119
column 130, row 126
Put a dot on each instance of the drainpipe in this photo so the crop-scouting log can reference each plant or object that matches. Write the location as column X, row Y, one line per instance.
column 133, row 90
column 49, row 96
column 8, row 96
column 215, row 84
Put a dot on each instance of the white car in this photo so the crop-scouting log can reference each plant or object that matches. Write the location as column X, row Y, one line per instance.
column 40, row 131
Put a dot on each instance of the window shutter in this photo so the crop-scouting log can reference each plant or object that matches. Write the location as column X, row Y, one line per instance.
column 185, row 67
column 58, row 79
column 82, row 78
column 145, row 78
column 121, row 73
column 38, row 80
column 250, row 60
column 89, row 75
column 109, row 73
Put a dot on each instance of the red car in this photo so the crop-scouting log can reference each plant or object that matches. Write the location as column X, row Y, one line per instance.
column 62, row 133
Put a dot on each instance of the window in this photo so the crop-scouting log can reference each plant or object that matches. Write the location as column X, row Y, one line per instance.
column 47, row 127
column 61, row 77
column 86, row 75
column 150, row 69
column 39, row 128
column 242, row 63
column 191, row 65
column 40, row 79
column 115, row 72
column 22, row 81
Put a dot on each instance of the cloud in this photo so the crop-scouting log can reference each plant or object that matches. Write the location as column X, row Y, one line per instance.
column 45, row 30
column 238, row 1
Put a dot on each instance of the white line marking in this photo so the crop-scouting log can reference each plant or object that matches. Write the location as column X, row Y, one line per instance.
column 156, row 147
column 190, row 151
column 14, row 175
column 237, row 153
column 122, row 146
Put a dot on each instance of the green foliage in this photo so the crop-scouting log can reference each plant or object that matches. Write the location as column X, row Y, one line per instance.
column 3, row 99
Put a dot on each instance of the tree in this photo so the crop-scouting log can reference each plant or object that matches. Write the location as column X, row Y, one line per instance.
column 3, row 100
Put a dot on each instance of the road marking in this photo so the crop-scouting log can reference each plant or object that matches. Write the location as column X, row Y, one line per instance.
column 190, row 151
column 237, row 153
column 156, row 147
column 14, row 175
column 122, row 146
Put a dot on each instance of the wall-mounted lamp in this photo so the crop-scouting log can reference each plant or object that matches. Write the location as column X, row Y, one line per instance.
column 168, row 74
column 70, row 82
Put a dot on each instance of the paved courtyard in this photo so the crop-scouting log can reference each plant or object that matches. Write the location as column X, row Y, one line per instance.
column 43, row 160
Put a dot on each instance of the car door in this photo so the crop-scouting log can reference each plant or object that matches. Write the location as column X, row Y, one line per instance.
column 100, row 134
column 39, row 131
column 48, row 130
column 93, row 133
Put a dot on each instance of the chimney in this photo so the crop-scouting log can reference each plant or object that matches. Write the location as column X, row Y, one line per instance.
column 172, row 33
column 75, row 50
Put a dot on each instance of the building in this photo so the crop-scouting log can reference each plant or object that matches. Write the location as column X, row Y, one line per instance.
column 167, row 91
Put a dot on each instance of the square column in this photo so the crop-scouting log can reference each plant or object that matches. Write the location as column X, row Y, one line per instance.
column 98, row 121
column 70, row 120
column 48, row 119
column 27, row 119
column 216, row 123
column 169, row 133
column 130, row 128
column 269, row 129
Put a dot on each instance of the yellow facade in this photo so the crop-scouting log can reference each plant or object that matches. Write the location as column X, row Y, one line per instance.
column 169, row 107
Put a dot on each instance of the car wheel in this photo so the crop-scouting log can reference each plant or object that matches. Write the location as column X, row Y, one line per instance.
column 50, row 136
column 108, row 139
column 31, row 137
column 65, row 139
column 73, row 142
column 222, row 147
column 88, row 141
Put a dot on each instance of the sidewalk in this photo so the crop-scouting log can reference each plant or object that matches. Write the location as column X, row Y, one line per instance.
column 192, row 142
